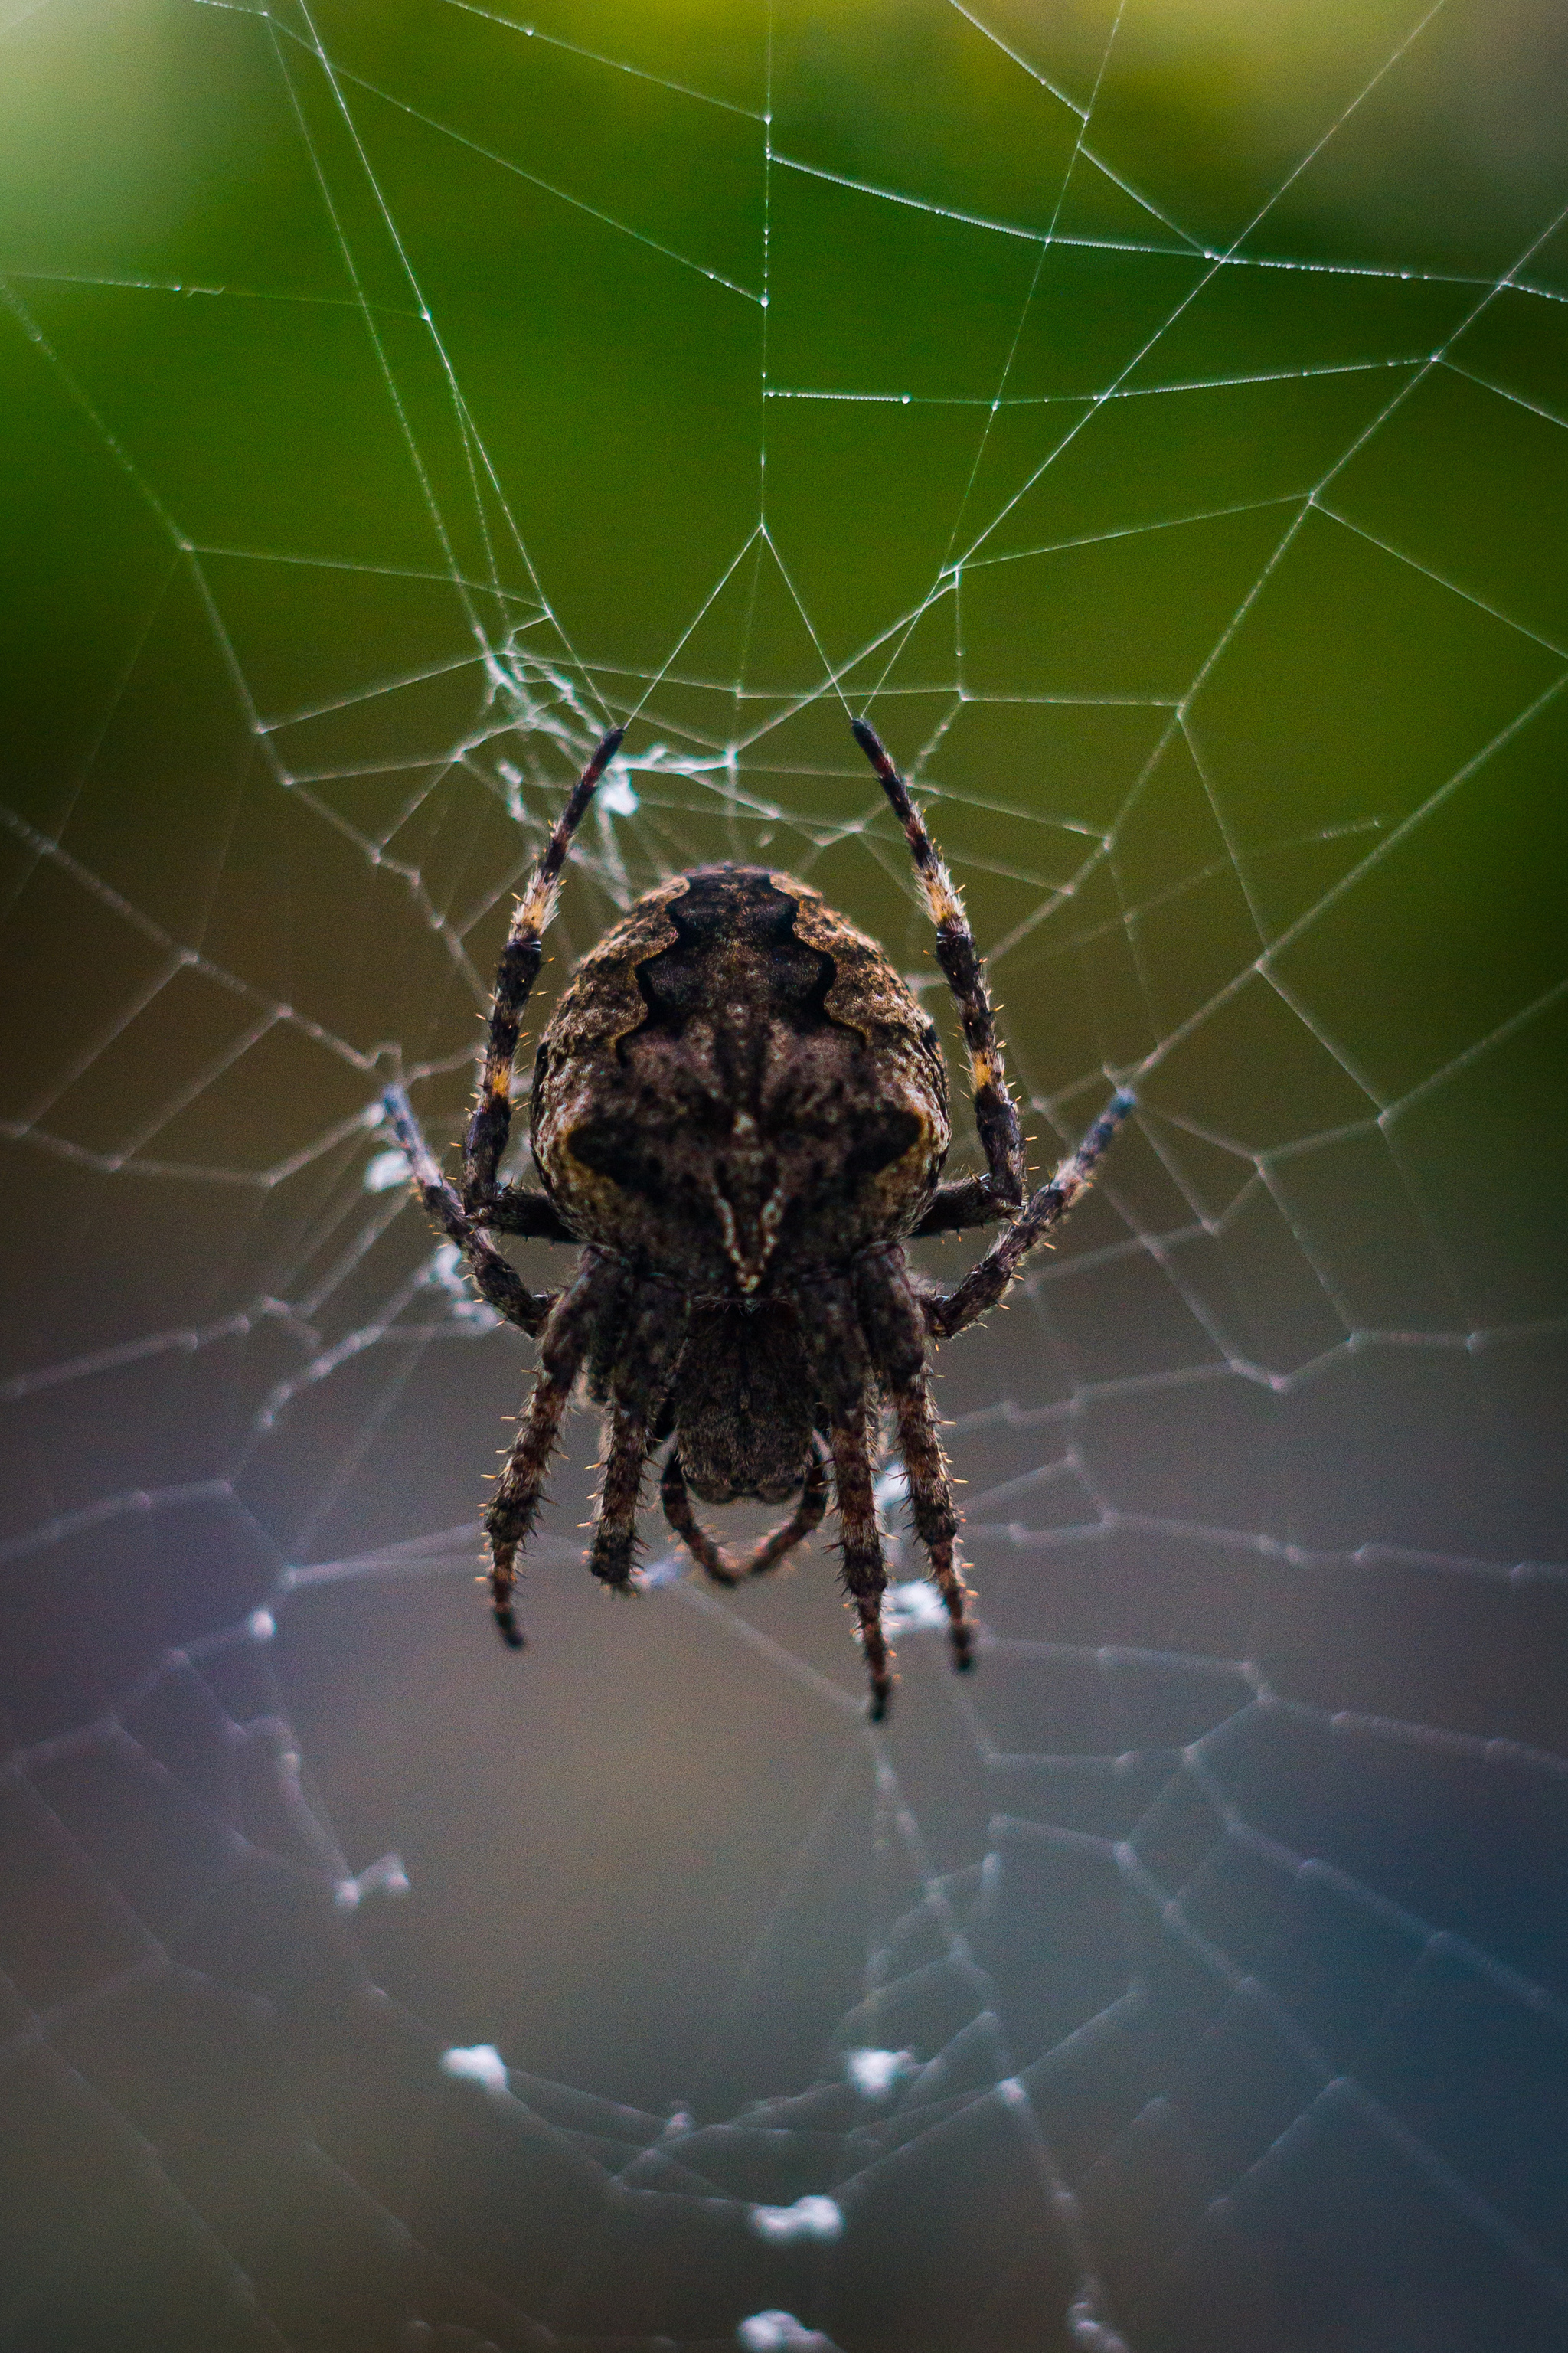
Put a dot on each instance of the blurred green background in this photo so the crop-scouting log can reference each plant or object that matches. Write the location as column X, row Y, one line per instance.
column 1155, row 416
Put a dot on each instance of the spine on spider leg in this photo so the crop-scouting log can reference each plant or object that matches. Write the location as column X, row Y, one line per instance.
column 1001, row 1137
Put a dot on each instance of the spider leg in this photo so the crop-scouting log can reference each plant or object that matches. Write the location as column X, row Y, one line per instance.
column 614, row 1548
column 865, row 1574
column 514, row 1507
column 724, row 1567
column 973, row 1200
column 515, row 976
column 842, row 1372
column 891, row 1317
column 650, row 1342
column 497, row 1281
column 519, row 1210
column 986, row 1281
column 967, row 1201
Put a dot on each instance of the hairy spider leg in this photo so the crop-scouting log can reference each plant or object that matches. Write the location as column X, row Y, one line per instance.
column 650, row 1342
column 515, row 976
column 894, row 1325
column 971, row 1200
column 614, row 1547
column 931, row 1505
column 986, row 1281
column 842, row 1371
column 865, row 1574
column 514, row 1507
column 498, row 1282
column 724, row 1567
column 519, row 1210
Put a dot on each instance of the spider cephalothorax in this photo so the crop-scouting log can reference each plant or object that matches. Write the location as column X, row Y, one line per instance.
column 739, row 1112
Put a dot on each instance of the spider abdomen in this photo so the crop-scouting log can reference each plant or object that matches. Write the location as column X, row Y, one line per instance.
column 743, row 1404
column 737, row 1089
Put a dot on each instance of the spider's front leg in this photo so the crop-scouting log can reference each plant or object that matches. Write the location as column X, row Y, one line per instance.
column 968, row 1200
column 989, row 1277
column 498, row 1282
column 515, row 976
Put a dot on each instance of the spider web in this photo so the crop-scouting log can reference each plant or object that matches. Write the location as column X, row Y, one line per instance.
column 1163, row 441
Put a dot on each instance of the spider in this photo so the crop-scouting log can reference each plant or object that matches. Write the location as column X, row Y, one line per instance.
column 739, row 1116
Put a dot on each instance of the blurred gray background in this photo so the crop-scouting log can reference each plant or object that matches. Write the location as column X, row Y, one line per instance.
column 1154, row 417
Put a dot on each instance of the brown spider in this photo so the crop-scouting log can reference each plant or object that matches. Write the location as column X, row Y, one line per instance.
column 739, row 1113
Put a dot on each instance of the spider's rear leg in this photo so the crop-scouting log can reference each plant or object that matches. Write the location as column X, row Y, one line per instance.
column 842, row 1372
column 613, row 1551
column 643, row 1356
column 865, row 1574
column 936, row 1521
column 894, row 1325
column 723, row 1567
column 514, row 1507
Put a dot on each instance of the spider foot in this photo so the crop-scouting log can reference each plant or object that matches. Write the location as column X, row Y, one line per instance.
column 877, row 1657
column 613, row 1559
column 955, row 1600
column 627, row 1582
column 505, row 1614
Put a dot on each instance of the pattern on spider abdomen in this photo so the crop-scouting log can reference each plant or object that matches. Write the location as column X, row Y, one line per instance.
column 737, row 1090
